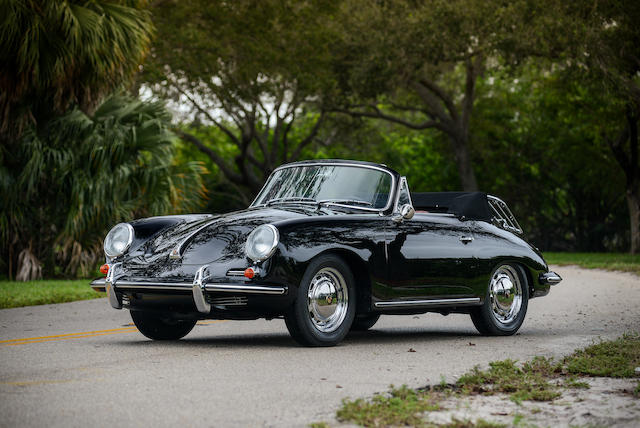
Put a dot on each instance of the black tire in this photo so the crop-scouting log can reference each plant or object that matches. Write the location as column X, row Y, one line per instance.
column 488, row 318
column 158, row 327
column 305, row 324
column 364, row 322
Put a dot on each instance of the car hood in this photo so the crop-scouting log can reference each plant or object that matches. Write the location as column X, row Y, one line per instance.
column 217, row 241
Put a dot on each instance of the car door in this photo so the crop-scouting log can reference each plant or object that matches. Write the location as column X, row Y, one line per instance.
column 429, row 256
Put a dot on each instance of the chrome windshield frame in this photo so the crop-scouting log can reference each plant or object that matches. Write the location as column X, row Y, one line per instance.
column 393, row 190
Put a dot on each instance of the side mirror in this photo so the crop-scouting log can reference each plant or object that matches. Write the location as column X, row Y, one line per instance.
column 406, row 213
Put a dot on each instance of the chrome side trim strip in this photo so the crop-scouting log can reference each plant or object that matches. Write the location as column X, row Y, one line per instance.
column 235, row 272
column 246, row 288
column 427, row 303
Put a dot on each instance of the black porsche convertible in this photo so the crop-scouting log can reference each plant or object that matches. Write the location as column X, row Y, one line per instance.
column 330, row 246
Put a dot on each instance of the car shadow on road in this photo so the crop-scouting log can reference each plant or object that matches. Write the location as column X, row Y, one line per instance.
column 379, row 337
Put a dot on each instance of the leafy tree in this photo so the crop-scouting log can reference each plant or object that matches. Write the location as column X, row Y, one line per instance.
column 55, row 54
column 538, row 146
column 601, row 48
column 82, row 174
column 612, row 56
column 416, row 63
column 252, row 69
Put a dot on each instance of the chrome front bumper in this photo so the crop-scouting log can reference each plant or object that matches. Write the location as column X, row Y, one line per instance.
column 550, row 278
column 199, row 287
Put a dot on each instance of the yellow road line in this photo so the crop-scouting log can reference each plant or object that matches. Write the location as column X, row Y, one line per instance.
column 35, row 382
column 66, row 337
column 81, row 335
column 67, row 334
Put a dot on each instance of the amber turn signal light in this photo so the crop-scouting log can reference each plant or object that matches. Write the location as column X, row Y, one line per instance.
column 104, row 269
column 249, row 273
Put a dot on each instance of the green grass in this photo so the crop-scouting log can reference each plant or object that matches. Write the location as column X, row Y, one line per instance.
column 529, row 382
column 609, row 261
column 402, row 406
column 540, row 379
column 615, row 358
column 14, row 294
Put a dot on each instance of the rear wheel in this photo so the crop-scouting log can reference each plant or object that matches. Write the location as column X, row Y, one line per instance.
column 364, row 322
column 158, row 327
column 325, row 305
column 505, row 304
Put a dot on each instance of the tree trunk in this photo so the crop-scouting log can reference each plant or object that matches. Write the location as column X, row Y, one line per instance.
column 468, row 180
column 29, row 267
column 628, row 161
column 633, row 201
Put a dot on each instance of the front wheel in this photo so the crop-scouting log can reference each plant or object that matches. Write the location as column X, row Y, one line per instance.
column 158, row 327
column 325, row 305
column 505, row 304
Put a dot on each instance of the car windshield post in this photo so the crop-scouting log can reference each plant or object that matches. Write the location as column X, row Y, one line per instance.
column 364, row 187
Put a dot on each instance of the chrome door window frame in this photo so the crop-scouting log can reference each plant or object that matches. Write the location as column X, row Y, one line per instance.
column 403, row 180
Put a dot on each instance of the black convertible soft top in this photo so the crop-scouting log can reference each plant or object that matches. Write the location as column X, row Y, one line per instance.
column 470, row 205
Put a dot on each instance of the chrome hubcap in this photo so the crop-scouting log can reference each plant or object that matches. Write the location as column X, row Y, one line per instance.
column 327, row 300
column 505, row 292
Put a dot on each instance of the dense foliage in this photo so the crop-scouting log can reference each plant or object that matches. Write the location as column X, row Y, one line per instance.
column 251, row 69
column 72, row 163
column 55, row 54
column 64, row 188
column 536, row 102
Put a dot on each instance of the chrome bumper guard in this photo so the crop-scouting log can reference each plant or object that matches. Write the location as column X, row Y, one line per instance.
column 198, row 287
column 110, row 286
column 550, row 278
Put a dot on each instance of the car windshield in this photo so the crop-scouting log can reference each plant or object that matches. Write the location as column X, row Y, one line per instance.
column 356, row 186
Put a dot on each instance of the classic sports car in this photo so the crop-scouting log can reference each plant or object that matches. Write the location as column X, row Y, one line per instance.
column 330, row 245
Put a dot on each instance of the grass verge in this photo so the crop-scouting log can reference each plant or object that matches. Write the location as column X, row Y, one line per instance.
column 609, row 261
column 540, row 379
column 616, row 358
column 401, row 406
column 14, row 294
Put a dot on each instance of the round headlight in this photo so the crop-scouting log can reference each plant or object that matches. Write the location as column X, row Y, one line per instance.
column 118, row 240
column 262, row 242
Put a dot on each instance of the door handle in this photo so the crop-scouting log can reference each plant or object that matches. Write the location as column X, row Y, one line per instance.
column 466, row 239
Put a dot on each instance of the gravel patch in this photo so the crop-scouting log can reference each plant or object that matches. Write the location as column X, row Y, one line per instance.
column 608, row 402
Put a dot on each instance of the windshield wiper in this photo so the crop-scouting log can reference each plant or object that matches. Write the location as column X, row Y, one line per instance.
column 345, row 202
column 291, row 199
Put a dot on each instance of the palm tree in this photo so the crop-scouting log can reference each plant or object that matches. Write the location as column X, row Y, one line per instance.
column 83, row 174
column 55, row 54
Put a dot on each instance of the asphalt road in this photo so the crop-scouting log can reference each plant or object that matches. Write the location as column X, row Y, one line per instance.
column 83, row 364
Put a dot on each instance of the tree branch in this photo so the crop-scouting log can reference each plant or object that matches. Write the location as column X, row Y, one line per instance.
column 223, row 128
column 309, row 138
column 433, row 104
column 618, row 151
column 473, row 70
column 440, row 93
column 216, row 158
column 377, row 114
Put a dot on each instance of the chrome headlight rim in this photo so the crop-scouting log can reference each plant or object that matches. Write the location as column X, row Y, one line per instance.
column 112, row 254
column 249, row 250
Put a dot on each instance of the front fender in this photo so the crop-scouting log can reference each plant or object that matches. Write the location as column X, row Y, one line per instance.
column 358, row 241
